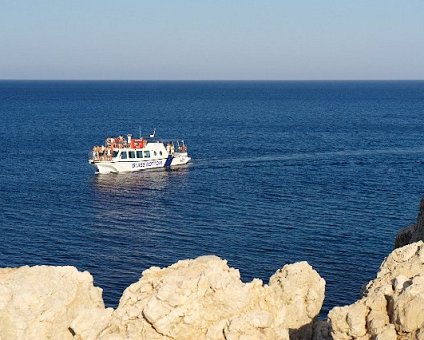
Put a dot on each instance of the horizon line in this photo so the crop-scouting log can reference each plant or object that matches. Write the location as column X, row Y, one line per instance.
column 210, row 80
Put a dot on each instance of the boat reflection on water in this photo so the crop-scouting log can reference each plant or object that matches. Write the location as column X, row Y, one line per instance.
column 129, row 198
column 138, row 182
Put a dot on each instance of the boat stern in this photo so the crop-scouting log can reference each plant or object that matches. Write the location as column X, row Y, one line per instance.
column 180, row 158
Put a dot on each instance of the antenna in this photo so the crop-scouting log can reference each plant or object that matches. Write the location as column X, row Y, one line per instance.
column 153, row 134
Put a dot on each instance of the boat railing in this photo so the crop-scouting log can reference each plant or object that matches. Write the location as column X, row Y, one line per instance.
column 108, row 151
column 175, row 146
column 101, row 153
column 99, row 158
column 181, row 146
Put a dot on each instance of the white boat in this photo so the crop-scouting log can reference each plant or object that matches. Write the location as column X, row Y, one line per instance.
column 127, row 154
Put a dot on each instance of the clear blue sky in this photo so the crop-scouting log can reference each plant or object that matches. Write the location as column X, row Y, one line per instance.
column 212, row 39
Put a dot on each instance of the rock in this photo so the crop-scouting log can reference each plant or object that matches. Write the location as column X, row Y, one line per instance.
column 400, row 282
column 321, row 330
column 40, row 302
column 294, row 283
column 387, row 333
column 414, row 232
column 85, row 326
column 392, row 304
column 407, row 306
column 205, row 299
column 192, row 299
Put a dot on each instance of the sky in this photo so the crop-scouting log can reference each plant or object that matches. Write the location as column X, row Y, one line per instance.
column 212, row 39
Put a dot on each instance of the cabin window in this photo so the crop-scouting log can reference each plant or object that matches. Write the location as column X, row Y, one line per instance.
column 146, row 154
column 160, row 153
column 155, row 153
column 115, row 153
column 139, row 154
column 124, row 155
column 131, row 154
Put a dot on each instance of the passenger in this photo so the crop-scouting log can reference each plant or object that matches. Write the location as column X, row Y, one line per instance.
column 109, row 155
column 169, row 147
column 97, row 153
column 99, row 150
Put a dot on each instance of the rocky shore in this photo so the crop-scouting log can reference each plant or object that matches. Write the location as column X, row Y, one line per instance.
column 205, row 299
column 414, row 232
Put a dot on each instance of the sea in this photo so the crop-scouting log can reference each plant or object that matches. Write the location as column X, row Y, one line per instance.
column 320, row 171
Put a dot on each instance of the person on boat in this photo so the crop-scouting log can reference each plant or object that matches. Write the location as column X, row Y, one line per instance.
column 97, row 151
column 100, row 153
column 94, row 152
column 119, row 140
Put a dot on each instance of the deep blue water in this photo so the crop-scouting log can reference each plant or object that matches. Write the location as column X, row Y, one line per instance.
column 326, row 172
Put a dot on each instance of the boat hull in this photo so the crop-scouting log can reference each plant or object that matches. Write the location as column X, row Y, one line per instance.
column 105, row 167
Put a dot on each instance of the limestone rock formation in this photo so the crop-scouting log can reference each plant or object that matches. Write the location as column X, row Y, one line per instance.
column 41, row 302
column 393, row 304
column 205, row 299
column 414, row 232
